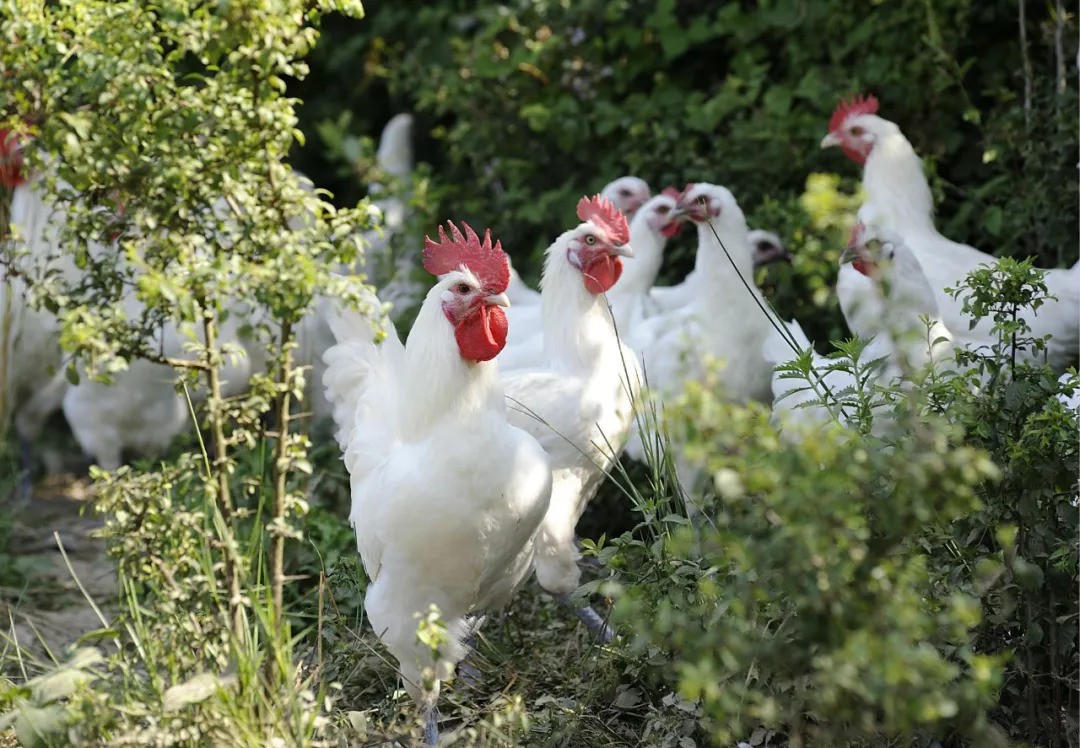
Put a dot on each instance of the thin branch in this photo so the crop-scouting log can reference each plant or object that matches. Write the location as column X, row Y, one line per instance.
column 1026, row 58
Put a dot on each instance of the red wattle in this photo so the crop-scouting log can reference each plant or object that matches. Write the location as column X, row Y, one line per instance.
column 861, row 266
column 672, row 229
column 854, row 154
column 482, row 334
column 602, row 273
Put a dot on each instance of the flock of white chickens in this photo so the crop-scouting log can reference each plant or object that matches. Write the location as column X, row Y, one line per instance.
column 474, row 447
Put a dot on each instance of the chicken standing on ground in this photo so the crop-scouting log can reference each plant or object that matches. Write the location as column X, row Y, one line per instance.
column 898, row 199
column 446, row 494
column 627, row 194
column 579, row 402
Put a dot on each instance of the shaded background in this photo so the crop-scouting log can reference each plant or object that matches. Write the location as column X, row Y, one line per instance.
column 523, row 106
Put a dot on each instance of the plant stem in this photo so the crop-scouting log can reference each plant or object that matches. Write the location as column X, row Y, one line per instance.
column 281, row 472
column 1026, row 58
column 220, row 463
column 6, row 321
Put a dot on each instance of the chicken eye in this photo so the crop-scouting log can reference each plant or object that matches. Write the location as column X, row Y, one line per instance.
column 463, row 288
column 663, row 210
column 590, row 239
column 623, row 192
column 857, row 131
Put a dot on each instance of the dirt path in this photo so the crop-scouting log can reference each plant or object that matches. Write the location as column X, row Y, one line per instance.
column 52, row 611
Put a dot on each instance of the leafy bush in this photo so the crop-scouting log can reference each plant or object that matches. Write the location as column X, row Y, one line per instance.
column 529, row 104
column 908, row 575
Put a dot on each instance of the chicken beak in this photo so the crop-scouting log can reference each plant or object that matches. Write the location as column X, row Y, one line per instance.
column 830, row 140
column 499, row 299
column 678, row 212
column 850, row 254
column 622, row 250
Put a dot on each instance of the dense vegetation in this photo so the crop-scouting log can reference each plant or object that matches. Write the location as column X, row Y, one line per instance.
column 909, row 579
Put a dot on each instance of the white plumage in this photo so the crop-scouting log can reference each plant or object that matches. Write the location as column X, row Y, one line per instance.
column 898, row 200
column 578, row 402
column 627, row 194
column 717, row 316
column 446, row 494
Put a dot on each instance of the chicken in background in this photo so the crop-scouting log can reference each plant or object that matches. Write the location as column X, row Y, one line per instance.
column 657, row 221
column 898, row 199
column 722, row 316
column 578, row 402
column 447, row 496
column 908, row 335
column 395, row 277
column 767, row 247
column 32, row 374
column 627, row 194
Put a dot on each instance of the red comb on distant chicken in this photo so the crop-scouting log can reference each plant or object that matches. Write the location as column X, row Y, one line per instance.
column 672, row 192
column 858, row 105
column 488, row 263
column 606, row 217
column 11, row 161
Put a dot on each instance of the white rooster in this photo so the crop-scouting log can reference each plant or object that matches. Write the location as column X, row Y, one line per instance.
column 446, row 494
column 579, row 401
column 656, row 221
column 898, row 199
column 627, row 194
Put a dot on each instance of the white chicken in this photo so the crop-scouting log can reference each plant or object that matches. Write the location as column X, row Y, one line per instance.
column 723, row 316
column 627, row 194
column 767, row 248
column 394, row 276
column 907, row 336
column 659, row 219
column 446, row 494
column 898, row 198
column 579, row 401
column 653, row 224
column 32, row 373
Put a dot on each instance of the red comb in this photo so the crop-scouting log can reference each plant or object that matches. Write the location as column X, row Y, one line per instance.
column 606, row 217
column 858, row 105
column 672, row 192
column 11, row 161
column 488, row 263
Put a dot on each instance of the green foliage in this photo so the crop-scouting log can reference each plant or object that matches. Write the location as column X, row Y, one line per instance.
column 164, row 125
column 910, row 575
column 809, row 606
column 529, row 104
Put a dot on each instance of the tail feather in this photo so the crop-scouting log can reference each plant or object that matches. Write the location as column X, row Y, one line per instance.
column 350, row 360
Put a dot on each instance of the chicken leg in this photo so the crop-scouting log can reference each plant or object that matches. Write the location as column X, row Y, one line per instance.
column 431, row 726
column 593, row 621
